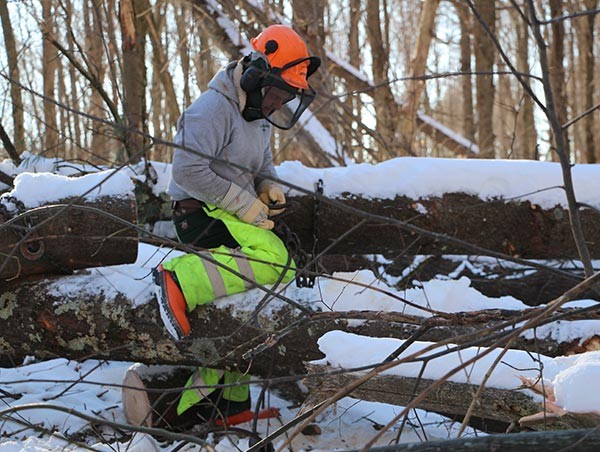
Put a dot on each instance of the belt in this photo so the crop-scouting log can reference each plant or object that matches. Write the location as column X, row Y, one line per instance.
column 186, row 206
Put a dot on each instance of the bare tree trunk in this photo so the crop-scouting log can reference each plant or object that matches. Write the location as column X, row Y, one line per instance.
column 386, row 110
column 308, row 19
column 183, row 24
column 418, row 65
column 95, row 45
column 133, row 29
column 505, row 117
column 556, row 56
column 49, row 64
column 73, row 123
column 154, row 25
column 526, row 132
column 113, row 56
column 354, row 144
column 13, row 68
column 585, row 35
column 484, row 62
column 466, row 28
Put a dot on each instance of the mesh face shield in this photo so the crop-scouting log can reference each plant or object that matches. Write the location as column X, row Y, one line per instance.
column 283, row 107
column 280, row 95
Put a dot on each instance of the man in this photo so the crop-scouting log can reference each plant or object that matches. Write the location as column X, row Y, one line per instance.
column 223, row 190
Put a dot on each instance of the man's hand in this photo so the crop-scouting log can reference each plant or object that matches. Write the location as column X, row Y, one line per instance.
column 270, row 194
column 247, row 207
column 258, row 215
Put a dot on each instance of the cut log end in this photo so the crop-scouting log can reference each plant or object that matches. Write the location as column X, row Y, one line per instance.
column 136, row 404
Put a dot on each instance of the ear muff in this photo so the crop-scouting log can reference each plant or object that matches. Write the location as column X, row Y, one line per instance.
column 256, row 66
column 313, row 64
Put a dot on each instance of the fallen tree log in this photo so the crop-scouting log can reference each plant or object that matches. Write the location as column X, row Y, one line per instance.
column 69, row 237
column 145, row 401
column 56, row 224
column 518, row 229
column 36, row 318
column 507, row 406
column 514, row 228
column 582, row 440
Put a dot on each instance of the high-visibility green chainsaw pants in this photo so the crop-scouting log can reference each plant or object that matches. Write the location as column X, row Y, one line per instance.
column 261, row 259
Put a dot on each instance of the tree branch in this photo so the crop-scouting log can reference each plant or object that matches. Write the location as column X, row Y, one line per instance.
column 9, row 146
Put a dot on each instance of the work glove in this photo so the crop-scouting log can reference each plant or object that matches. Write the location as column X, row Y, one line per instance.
column 271, row 193
column 247, row 207
column 258, row 215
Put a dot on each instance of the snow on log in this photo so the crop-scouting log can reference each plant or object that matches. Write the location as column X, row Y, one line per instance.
column 70, row 317
column 424, row 377
column 490, row 276
column 56, row 224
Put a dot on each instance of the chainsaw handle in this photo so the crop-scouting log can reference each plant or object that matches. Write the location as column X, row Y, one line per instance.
column 275, row 206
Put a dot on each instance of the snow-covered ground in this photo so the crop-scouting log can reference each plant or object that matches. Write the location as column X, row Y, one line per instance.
column 351, row 423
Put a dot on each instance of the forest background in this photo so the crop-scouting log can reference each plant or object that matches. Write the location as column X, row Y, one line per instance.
column 400, row 77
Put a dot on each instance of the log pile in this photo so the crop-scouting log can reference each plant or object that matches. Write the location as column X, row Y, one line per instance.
column 37, row 321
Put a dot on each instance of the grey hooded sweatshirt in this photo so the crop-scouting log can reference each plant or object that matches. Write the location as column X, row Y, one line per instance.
column 213, row 126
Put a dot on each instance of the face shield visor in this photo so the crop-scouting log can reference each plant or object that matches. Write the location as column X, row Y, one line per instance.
column 283, row 107
column 285, row 92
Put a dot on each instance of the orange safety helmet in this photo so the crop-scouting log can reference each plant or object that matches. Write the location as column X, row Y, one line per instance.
column 282, row 45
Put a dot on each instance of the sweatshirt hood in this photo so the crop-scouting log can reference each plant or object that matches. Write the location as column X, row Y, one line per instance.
column 224, row 82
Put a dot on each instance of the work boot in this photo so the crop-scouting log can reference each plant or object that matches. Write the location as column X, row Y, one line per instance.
column 171, row 303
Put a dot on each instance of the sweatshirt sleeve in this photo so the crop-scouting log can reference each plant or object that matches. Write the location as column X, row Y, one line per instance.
column 201, row 136
column 267, row 171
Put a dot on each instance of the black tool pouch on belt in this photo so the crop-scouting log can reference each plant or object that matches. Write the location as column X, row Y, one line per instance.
column 195, row 227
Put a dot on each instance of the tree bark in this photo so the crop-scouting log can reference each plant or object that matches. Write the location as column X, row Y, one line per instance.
column 526, row 131
column 148, row 404
column 466, row 30
column 76, row 238
column 484, row 62
column 452, row 398
column 133, row 30
column 584, row 440
column 519, row 229
column 585, row 39
column 418, row 68
column 504, row 405
column 15, row 91
column 49, row 64
column 386, row 109
column 37, row 318
column 95, row 45
column 558, row 83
